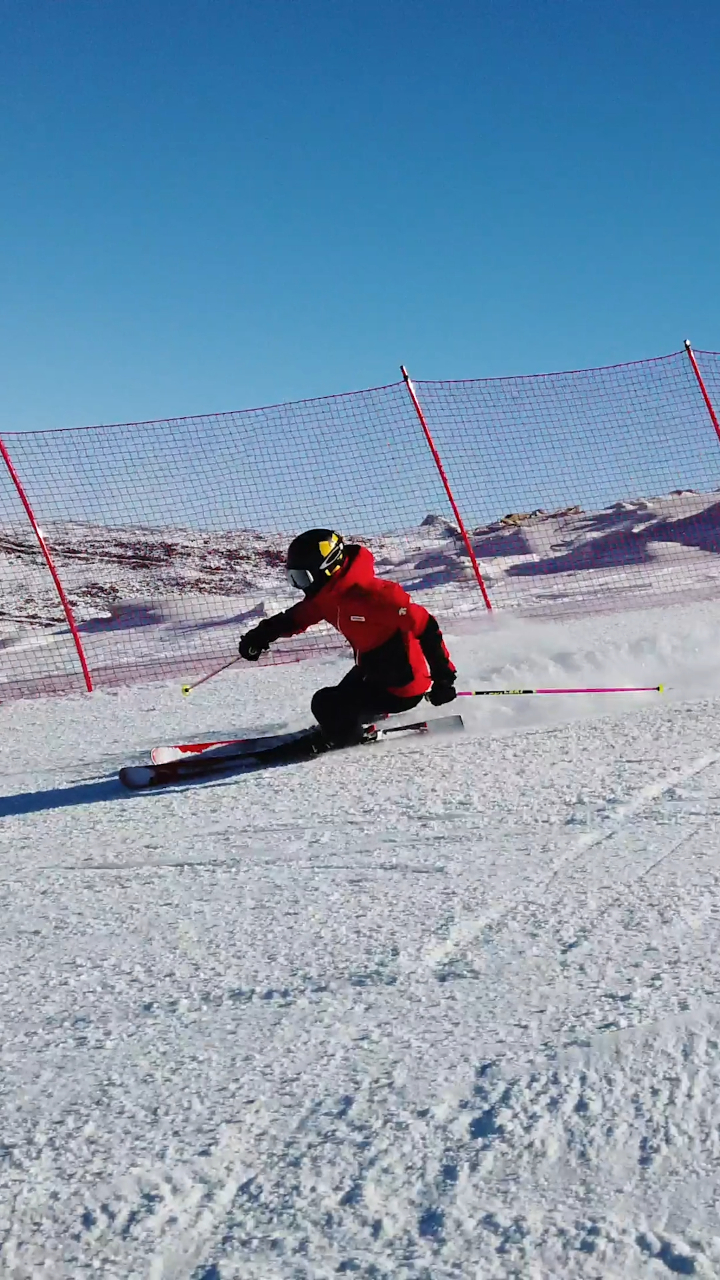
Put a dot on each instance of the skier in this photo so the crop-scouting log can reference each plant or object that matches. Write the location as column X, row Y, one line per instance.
column 400, row 655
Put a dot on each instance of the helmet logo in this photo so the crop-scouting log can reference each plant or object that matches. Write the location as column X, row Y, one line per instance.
column 331, row 550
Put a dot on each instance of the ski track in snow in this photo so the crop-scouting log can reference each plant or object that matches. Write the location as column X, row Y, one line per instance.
column 418, row 1011
column 573, row 848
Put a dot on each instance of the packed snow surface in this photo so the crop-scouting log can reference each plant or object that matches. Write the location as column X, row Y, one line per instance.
column 419, row 1010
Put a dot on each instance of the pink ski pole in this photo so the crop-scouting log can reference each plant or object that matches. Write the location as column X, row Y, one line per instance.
column 500, row 693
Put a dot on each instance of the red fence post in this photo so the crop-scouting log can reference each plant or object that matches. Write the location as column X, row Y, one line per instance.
column 438, row 463
column 706, row 397
column 49, row 561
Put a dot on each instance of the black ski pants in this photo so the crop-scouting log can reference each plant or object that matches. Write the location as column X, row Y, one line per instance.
column 341, row 710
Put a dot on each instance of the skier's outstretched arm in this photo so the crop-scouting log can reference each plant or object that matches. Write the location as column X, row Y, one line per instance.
column 289, row 623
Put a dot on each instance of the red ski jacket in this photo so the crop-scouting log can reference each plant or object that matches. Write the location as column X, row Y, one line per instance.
column 396, row 643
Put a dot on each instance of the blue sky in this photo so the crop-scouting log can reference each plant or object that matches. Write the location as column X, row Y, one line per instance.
column 215, row 205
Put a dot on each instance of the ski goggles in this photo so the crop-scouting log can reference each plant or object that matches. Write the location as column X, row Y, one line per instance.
column 300, row 578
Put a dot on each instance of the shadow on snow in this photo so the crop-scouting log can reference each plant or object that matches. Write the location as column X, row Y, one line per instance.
column 101, row 791
column 62, row 797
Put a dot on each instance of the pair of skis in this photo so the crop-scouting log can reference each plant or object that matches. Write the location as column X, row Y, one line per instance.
column 189, row 761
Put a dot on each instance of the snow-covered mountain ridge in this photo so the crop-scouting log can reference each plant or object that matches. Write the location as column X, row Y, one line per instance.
column 173, row 598
column 101, row 565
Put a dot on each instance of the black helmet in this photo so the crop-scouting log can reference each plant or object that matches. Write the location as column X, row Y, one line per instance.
column 314, row 557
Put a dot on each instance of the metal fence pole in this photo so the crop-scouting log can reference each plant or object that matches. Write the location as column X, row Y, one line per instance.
column 438, row 463
column 50, row 564
column 701, row 384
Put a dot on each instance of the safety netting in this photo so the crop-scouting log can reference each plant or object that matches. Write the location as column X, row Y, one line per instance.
column 593, row 489
column 579, row 491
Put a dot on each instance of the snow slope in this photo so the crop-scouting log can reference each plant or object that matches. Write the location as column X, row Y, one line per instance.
column 410, row 1012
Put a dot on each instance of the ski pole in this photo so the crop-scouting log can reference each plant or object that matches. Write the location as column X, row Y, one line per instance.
column 497, row 693
column 188, row 688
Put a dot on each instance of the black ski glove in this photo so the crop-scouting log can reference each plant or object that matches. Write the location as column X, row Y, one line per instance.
column 253, row 643
column 442, row 691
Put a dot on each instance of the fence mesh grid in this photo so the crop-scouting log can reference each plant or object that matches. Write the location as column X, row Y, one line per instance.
column 606, row 480
column 582, row 490
column 169, row 537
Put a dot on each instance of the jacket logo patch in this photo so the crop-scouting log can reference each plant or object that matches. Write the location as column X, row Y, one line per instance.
column 402, row 611
column 354, row 617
